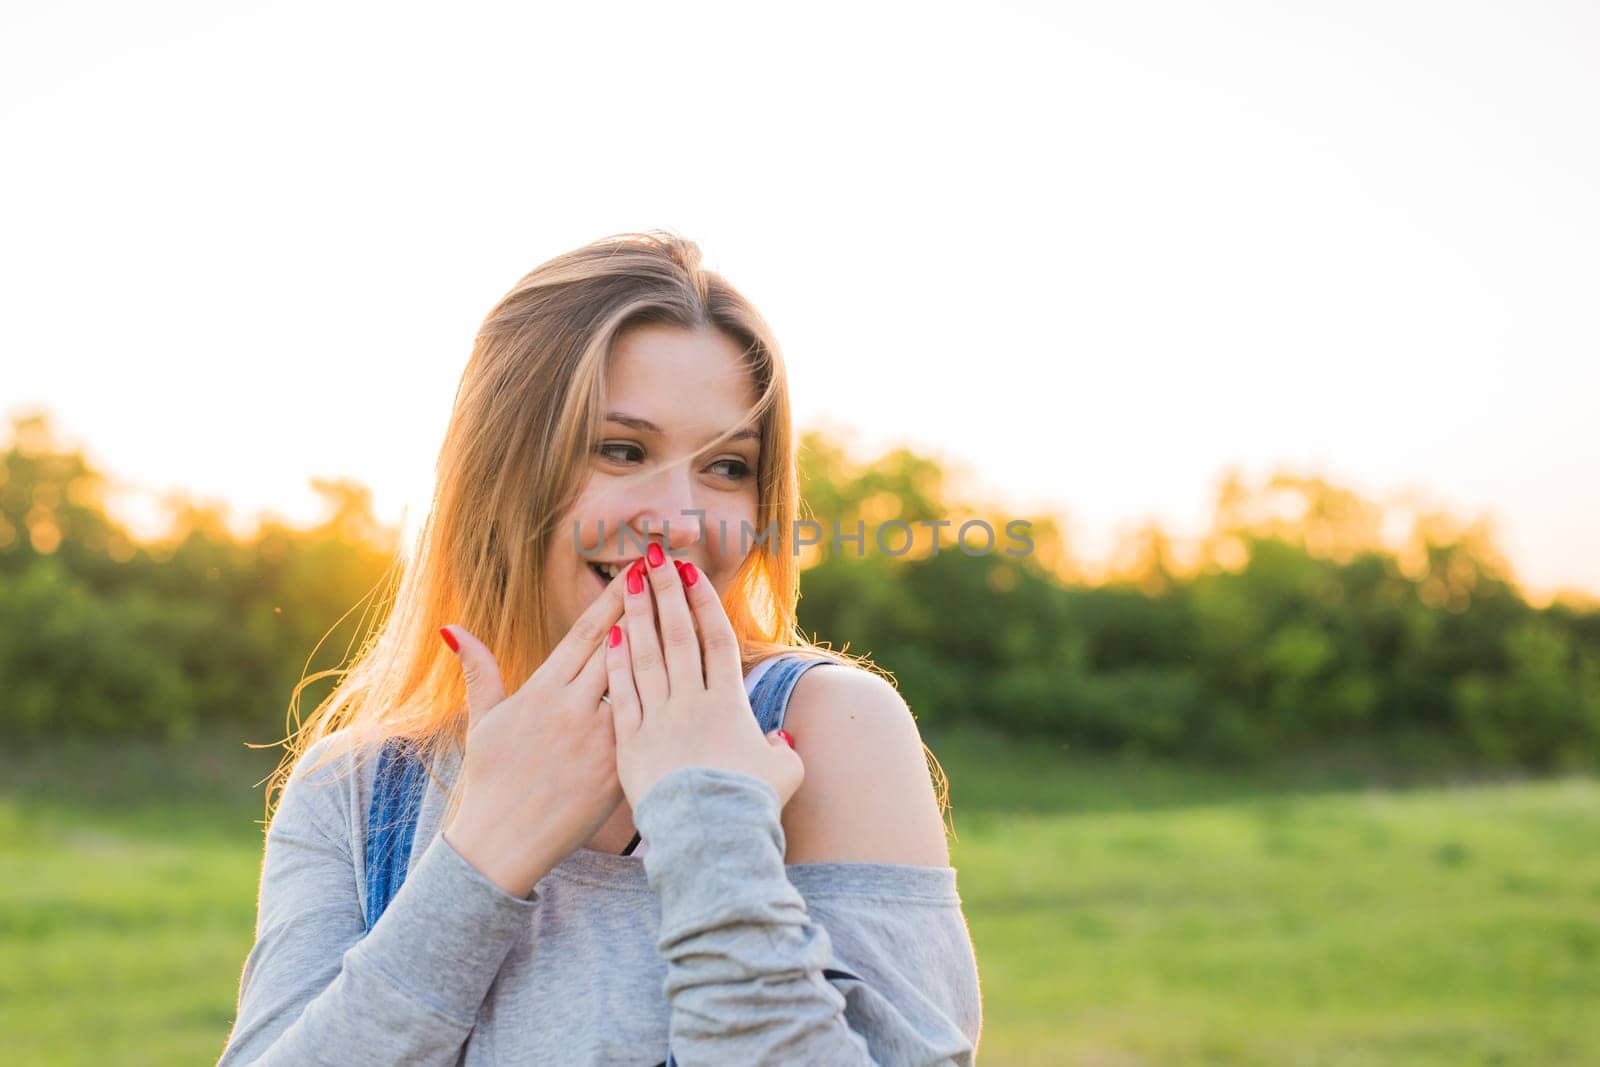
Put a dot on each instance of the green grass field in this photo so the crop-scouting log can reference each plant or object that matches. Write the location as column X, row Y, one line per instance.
column 1124, row 912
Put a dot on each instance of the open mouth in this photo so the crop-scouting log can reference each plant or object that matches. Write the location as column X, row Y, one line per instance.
column 606, row 571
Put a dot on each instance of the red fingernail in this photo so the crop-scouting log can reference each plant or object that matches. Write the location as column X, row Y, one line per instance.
column 690, row 575
column 655, row 555
column 449, row 639
column 616, row 636
column 636, row 577
column 784, row 734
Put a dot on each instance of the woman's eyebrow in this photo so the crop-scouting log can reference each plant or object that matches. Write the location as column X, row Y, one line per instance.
column 646, row 426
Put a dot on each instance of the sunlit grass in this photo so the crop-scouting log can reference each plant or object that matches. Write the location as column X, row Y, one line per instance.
column 1433, row 925
column 1123, row 912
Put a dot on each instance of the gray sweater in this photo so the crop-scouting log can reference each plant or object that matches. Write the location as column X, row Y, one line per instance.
column 709, row 942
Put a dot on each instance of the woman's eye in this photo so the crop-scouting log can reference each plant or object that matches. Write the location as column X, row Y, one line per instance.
column 622, row 452
column 609, row 450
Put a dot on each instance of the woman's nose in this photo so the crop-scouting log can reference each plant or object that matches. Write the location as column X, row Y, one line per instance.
column 671, row 508
column 684, row 530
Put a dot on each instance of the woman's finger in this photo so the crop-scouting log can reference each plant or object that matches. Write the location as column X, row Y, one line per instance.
column 679, row 643
column 590, row 684
column 625, row 711
column 644, row 647
column 722, row 666
column 572, row 652
column 485, row 689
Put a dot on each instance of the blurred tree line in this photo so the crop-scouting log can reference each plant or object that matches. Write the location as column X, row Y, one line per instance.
column 1295, row 626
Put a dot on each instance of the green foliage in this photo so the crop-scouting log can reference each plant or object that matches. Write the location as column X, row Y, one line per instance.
column 110, row 637
column 1293, row 633
column 1544, row 708
column 1289, row 649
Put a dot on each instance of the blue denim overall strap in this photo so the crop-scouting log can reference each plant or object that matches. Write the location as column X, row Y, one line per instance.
column 770, row 697
column 397, row 790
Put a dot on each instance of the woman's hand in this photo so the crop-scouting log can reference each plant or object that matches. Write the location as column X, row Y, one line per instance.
column 539, row 773
column 678, row 699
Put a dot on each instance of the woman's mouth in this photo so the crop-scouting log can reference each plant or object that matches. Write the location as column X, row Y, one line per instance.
column 606, row 571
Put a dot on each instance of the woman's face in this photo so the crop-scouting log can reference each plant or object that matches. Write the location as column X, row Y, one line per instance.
column 669, row 391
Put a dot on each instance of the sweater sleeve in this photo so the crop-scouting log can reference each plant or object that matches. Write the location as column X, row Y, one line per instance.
column 753, row 975
column 315, row 990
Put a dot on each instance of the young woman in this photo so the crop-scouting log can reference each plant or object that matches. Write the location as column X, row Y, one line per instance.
column 645, row 830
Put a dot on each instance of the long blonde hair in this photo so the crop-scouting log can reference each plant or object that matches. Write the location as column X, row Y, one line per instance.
column 515, row 457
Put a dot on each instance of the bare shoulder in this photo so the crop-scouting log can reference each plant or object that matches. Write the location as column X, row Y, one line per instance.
column 868, row 795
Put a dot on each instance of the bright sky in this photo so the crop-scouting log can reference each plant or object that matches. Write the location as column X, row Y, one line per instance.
column 1095, row 252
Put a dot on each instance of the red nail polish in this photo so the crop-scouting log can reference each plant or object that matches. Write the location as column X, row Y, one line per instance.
column 690, row 575
column 655, row 555
column 449, row 639
column 616, row 636
column 636, row 577
column 784, row 735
